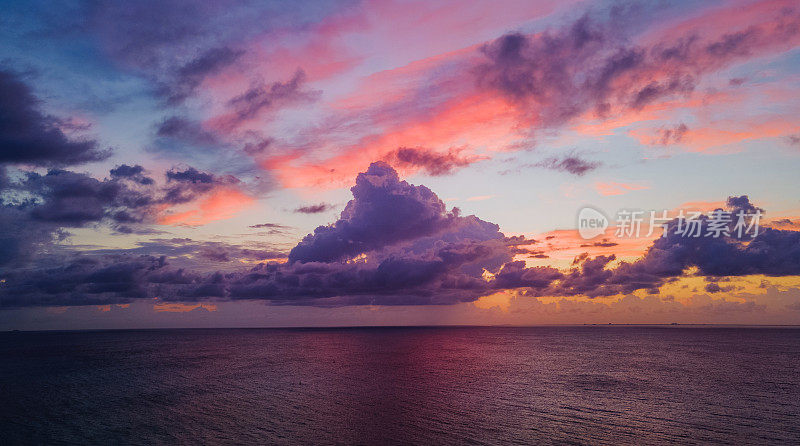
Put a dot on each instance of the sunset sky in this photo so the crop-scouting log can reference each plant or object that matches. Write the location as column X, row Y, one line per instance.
column 182, row 164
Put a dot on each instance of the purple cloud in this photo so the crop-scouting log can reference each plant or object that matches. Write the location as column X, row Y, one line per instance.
column 314, row 208
column 590, row 65
column 394, row 244
column 29, row 136
column 432, row 162
column 383, row 211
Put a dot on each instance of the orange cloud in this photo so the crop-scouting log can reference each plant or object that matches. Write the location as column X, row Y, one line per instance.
column 220, row 205
column 182, row 308
column 613, row 188
column 561, row 246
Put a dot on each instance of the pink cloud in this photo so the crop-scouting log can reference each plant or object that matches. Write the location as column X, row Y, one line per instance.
column 614, row 188
column 220, row 204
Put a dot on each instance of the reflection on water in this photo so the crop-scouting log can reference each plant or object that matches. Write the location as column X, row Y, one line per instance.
column 403, row 385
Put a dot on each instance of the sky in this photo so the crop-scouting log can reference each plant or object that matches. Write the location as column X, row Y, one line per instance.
column 325, row 163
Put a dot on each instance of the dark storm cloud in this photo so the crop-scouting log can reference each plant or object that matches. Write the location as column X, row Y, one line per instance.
column 79, row 281
column 29, row 136
column 432, row 162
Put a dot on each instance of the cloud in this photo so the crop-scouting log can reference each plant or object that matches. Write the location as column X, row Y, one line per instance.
column 383, row 211
column 36, row 209
column 261, row 98
column 135, row 173
column 667, row 136
column 185, row 130
column 605, row 243
column 591, row 66
column 570, row 163
column 314, row 208
column 395, row 243
column 613, row 188
column 74, row 199
column 189, row 76
column 81, row 281
column 177, row 45
column 29, row 136
column 481, row 197
column 269, row 226
column 189, row 184
column 772, row 252
column 432, row 162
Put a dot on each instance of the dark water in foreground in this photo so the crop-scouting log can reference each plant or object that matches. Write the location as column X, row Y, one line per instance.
column 402, row 385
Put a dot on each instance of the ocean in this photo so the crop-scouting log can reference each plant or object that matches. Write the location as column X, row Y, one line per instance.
column 420, row 385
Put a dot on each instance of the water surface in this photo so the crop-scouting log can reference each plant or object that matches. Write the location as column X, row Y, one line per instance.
column 402, row 385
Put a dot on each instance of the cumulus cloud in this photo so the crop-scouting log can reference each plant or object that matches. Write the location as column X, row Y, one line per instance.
column 395, row 243
column 772, row 252
column 384, row 210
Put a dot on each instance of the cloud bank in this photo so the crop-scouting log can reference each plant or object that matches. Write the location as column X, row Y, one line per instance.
column 394, row 243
